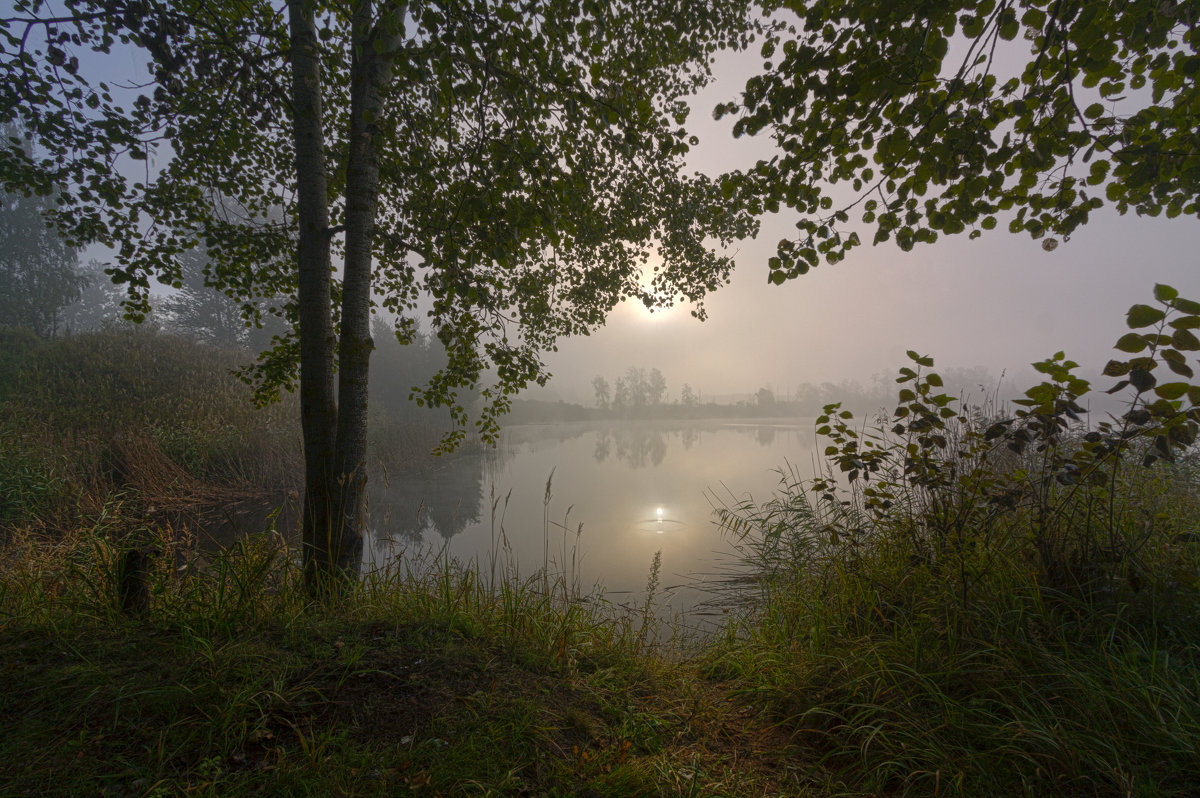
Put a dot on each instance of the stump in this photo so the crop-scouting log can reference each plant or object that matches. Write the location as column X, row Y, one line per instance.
column 133, row 580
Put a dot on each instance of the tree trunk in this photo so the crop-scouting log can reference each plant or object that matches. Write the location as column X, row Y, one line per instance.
column 373, row 47
column 318, row 408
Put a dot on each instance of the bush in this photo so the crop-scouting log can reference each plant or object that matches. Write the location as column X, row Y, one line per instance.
column 985, row 603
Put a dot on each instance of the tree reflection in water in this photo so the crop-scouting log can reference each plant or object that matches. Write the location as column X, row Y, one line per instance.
column 428, row 509
column 444, row 501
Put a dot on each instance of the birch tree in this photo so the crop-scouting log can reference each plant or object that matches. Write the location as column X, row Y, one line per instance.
column 500, row 172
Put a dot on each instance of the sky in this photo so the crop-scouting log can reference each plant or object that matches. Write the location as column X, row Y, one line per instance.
column 1000, row 301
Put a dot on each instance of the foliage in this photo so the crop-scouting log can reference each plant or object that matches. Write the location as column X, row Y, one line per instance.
column 207, row 315
column 603, row 392
column 948, row 465
column 165, row 423
column 918, row 109
column 433, row 678
column 969, row 601
column 688, row 397
column 505, row 169
column 99, row 305
column 156, row 418
column 506, row 179
column 639, row 388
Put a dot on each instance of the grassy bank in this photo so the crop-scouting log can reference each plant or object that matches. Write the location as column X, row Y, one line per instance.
column 975, row 602
column 437, row 681
column 158, row 421
column 231, row 683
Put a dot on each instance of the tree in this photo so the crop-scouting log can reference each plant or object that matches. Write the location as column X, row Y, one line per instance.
column 210, row 316
column 514, row 164
column 687, row 396
column 911, row 104
column 656, row 387
column 100, row 304
column 600, row 386
column 634, row 387
column 38, row 270
column 622, row 395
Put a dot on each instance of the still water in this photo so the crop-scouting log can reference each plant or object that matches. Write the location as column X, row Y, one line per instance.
column 618, row 493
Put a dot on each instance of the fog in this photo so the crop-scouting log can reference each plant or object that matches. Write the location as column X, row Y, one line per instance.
column 1000, row 301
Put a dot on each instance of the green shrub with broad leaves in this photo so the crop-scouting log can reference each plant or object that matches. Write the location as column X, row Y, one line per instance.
column 991, row 600
column 950, row 475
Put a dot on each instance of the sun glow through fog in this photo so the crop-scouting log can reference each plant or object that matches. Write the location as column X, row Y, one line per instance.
column 656, row 314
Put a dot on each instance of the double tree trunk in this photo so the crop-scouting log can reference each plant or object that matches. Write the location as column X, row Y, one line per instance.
column 335, row 431
column 318, row 408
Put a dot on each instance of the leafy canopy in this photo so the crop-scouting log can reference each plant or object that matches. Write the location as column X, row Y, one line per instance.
column 943, row 117
column 531, row 161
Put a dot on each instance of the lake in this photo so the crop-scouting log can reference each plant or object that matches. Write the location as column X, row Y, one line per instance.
column 618, row 493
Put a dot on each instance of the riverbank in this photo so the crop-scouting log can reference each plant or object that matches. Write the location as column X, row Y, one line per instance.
column 161, row 425
column 231, row 683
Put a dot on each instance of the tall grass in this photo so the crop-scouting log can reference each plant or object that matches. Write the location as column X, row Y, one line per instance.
column 157, row 418
column 429, row 676
column 974, row 603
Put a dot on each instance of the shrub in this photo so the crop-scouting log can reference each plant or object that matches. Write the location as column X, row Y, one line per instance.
column 981, row 602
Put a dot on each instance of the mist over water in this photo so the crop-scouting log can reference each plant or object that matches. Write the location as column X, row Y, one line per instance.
column 618, row 493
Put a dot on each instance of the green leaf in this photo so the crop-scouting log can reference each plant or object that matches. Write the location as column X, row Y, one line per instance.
column 1116, row 368
column 1185, row 341
column 1164, row 293
column 1142, row 380
column 1130, row 342
column 1143, row 316
column 1182, row 369
column 1171, row 390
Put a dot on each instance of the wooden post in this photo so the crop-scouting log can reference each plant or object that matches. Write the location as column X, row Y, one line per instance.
column 133, row 580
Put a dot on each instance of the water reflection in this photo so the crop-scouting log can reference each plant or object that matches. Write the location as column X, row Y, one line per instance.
column 636, row 487
column 636, row 447
column 765, row 435
column 660, row 523
column 435, row 505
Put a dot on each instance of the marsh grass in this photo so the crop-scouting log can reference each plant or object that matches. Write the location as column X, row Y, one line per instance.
column 158, row 420
column 161, row 422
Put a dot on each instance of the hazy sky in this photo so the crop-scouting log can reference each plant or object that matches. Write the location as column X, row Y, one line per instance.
column 999, row 301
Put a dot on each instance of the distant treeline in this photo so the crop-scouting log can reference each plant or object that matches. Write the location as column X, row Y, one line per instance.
column 642, row 393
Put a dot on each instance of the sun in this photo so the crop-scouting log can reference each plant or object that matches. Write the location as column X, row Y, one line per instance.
column 654, row 315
